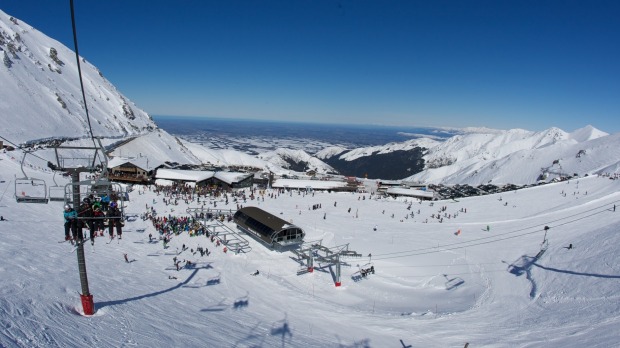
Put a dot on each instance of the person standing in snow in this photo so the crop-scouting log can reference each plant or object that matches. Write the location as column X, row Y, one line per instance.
column 115, row 220
column 70, row 222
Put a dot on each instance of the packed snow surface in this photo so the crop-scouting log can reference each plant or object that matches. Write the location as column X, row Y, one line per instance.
column 475, row 277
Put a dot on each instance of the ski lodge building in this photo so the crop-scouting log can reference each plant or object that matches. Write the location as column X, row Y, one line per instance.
column 267, row 228
column 313, row 185
column 225, row 180
column 408, row 192
column 133, row 170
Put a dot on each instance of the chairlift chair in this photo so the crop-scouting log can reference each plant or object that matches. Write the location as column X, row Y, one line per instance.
column 29, row 189
column 97, row 188
column 56, row 192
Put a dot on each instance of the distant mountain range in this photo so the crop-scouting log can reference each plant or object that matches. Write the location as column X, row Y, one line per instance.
column 42, row 102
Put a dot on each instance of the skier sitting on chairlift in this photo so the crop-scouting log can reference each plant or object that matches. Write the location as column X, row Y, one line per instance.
column 115, row 220
column 70, row 222
column 85, row 213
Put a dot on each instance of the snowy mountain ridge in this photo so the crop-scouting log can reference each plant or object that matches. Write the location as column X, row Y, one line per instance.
column 41, row 91
column 518, row 156
column 42, row 101
column 533, row 267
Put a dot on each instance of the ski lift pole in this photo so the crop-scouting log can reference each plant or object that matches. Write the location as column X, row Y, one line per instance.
column 86, row 297
column 338, row 283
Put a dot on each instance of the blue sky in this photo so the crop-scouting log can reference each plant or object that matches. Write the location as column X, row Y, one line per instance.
column 499, row 64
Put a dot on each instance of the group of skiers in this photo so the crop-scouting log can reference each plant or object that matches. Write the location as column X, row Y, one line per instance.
column 92, row 214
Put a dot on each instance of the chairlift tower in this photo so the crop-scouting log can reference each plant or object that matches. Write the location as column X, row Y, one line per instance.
column 327, row 255
column 75, row 165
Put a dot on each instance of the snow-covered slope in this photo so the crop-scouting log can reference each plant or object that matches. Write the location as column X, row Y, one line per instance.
column 436, row 284
column 517, row 156
column 287, row 158
column 224, row 157
column 382, row 149
column 41, row 96
column 157, row 144
column 41, row 99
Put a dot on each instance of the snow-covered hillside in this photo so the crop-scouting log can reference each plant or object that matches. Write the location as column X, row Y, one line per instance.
column 42, row 100
column 447, row 273
column 41, row 96
column 300, row 160
column 519, row 156
column 480, row 270
column 158, row 145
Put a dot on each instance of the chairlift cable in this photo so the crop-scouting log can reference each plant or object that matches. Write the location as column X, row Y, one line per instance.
column 77, row 58
column 30, row 152
column 459, row 245
column 7, row 187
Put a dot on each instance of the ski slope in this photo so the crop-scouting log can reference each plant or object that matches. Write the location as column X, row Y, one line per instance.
column 431, row 288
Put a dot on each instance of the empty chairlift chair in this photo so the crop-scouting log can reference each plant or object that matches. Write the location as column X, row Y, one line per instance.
column 29, row 189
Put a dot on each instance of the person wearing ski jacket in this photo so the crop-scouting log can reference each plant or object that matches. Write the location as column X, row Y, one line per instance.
column 98, row 217
column 115, row 220
column 105, row 202
column 70, row 222
column 85, row 215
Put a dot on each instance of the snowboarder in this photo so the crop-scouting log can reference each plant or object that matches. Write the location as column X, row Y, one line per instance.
column 126, row 258
column 2, row 217
column 569, row 247
column 256, row 273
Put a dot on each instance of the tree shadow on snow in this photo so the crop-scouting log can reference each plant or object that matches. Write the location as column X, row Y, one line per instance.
column 100, row 305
